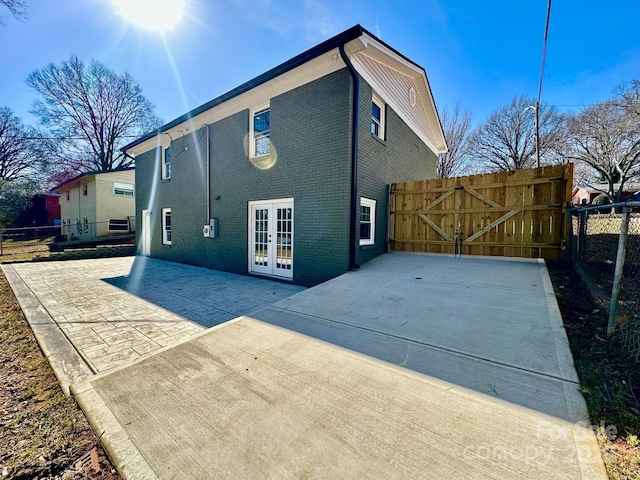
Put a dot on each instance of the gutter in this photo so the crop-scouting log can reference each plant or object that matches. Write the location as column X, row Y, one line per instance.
column 355, row 111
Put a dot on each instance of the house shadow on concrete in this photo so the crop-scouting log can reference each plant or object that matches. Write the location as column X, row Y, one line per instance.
column 203, row 296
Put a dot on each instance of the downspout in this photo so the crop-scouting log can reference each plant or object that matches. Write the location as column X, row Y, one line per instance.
column 355, row 110
column 208, row 174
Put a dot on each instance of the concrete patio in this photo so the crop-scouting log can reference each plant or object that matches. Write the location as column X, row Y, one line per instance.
column 415, row 366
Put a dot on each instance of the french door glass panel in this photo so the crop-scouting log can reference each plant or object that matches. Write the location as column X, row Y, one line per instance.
column 271, row 236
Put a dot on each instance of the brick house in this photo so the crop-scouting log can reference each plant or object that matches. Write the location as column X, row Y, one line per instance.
column 287, row 175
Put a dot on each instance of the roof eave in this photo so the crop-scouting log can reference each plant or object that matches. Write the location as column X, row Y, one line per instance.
column 324, row 47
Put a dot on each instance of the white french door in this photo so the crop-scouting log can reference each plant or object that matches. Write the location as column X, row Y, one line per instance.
column 271, row 237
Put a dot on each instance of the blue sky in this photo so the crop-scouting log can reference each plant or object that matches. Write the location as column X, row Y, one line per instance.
column 478, row 53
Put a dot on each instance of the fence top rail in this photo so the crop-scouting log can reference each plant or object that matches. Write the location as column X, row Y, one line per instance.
column 608, row 206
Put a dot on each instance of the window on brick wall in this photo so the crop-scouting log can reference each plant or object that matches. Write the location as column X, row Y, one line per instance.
column 367, row 221
column 166, row 226
column 260, row 132
column 377, row 117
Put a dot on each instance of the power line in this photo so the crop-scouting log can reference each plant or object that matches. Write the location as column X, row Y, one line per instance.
column 544, row 50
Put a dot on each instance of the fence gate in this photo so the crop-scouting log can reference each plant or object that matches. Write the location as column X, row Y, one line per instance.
column 513, row 214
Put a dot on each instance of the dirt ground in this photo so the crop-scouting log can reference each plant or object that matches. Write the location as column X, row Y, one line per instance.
column 44, row 433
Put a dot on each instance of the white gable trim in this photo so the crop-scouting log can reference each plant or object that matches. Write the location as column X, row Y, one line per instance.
column 393, row 77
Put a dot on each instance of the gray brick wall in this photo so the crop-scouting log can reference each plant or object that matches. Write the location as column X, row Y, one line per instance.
column 310, row 135
column 185, row 193
column 401, row 157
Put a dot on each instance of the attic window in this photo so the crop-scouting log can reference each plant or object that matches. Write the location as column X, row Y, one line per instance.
column 377, row 117
column 260, row 132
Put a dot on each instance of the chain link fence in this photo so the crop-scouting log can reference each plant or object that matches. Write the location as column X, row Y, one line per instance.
column 604, row 245
column 22, row 243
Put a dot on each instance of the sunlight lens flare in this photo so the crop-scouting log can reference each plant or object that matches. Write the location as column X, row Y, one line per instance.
column 157, row 15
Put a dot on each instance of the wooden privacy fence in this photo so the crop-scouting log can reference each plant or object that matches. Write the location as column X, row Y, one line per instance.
column 513, row 214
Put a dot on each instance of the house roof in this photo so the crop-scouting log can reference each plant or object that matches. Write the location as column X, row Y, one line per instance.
column 87, row 174
column 351, row 34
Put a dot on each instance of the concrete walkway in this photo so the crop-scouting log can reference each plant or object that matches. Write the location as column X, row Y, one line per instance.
column 483, row 384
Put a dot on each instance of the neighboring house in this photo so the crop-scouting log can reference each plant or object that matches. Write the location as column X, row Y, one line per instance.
column 586, row 195
column 98, row 204
column 44, row 211
column 287, row 175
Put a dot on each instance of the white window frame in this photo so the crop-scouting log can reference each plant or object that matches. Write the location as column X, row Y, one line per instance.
column 253, row 137
column 68, row 195
column 123, row 187
column 85, row 223
column 382, row 123
column 166, row 239
column 166, row 166
column 85, row 189
column 368, row 202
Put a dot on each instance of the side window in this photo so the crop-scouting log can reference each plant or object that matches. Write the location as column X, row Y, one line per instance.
column 85, row 189
column 166, row 226
column 367, row 221
column 377, row 117
column 68, row 195
column 260, row 142
column 85, row 222
column 125, row 189
column 166, row 164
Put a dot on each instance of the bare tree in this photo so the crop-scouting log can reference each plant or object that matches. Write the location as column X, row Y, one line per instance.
column 17, row 7
column 506, row 140
column 18, row 148
column 628, row 97
column 606, row 137
column 457, row 127
column 94, row 110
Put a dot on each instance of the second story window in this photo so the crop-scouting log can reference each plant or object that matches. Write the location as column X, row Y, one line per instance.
column 377, row 117
column 260, row 133
column 166, row 164
column 85, row 189
column 125, row 189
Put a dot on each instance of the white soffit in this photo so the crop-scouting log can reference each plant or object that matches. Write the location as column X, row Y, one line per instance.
column 403, row 86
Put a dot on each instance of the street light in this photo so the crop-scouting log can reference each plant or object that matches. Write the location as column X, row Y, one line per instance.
column 536, row 109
